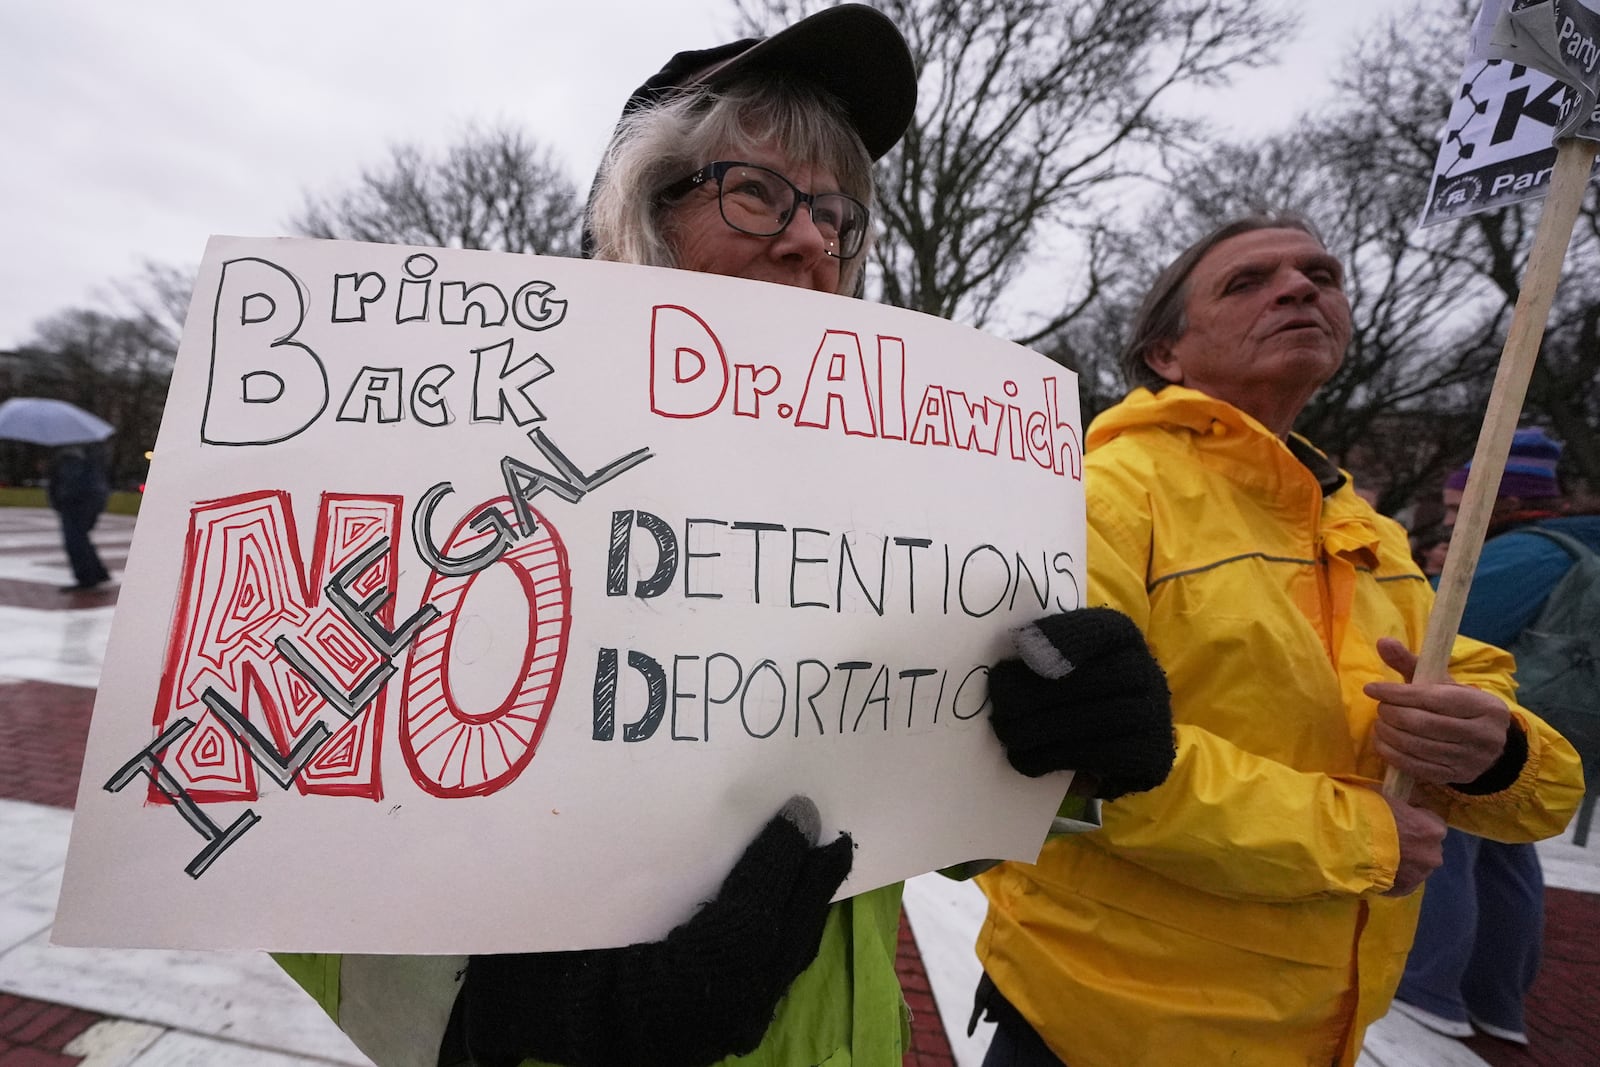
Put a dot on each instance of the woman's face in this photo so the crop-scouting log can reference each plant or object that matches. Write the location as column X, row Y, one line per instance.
column 702, row 241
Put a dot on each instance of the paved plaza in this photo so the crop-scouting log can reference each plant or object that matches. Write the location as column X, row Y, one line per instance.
column 120, row 1008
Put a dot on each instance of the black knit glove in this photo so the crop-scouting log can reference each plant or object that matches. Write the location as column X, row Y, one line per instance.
column 708, row 991
column 1086, row 696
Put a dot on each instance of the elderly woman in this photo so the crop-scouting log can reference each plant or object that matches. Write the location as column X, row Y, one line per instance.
column 753, row 160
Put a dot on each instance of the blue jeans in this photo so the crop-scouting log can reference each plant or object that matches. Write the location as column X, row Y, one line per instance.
column 1480, row 935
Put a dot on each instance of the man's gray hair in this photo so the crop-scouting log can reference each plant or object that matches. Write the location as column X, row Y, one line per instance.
column 1160, row 317
column 658, row 145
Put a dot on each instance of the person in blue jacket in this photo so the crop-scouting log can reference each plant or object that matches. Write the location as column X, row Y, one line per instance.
column 1478, row 942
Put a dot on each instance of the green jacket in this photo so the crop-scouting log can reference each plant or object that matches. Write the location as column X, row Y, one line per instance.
column 395, row 1007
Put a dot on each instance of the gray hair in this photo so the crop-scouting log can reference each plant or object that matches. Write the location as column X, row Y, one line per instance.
column 1160, row 317
column 657, row 145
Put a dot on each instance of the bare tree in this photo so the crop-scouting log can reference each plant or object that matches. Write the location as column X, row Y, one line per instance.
column 493, row 189
column 1566, row 380
column 1565, row 387
column 1401, row 81
column 117, row 366
column 158, row 296
column 1429, row 306
column 1035, row 115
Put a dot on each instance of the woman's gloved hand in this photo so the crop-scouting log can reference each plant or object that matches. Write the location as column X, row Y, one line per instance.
column 707, row 991
column 1087, row 696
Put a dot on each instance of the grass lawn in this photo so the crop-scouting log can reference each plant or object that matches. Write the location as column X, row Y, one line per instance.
column 14, row 497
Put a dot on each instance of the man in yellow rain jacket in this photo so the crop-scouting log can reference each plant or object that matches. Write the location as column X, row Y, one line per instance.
column 1257, row 907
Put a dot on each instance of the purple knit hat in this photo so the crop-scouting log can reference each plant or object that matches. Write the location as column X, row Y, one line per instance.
column 1530, row 468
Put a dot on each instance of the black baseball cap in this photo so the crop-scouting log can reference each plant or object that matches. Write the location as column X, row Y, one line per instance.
column 852, row 51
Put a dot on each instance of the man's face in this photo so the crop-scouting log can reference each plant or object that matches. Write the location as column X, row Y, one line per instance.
column 1267, row 323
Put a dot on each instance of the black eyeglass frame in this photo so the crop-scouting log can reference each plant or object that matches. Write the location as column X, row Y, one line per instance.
column 719, row 170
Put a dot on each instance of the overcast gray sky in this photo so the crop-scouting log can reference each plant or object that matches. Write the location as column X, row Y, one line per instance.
column 134, row 129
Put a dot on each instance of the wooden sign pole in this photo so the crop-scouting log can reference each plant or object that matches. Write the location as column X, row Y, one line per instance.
column 1574, row 161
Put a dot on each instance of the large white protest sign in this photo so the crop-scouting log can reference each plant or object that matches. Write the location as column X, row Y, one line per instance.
column 1497, row 147
column 486, row 602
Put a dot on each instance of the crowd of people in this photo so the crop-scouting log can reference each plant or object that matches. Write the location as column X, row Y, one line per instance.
column 1231, row 884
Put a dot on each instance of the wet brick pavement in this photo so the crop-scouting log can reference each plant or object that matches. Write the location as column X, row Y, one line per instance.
column 44, row 725
column 43, row 730
column 929, row 1045
column 1563, row 1016
column 35, row 1034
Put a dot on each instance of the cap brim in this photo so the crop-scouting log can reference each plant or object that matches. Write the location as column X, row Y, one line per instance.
column 854, row 53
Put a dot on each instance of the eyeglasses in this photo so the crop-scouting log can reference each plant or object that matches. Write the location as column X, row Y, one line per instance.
column 762, row 202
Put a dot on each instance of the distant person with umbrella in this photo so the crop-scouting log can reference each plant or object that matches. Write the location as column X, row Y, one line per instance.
column 78, row 492
column 78, row 488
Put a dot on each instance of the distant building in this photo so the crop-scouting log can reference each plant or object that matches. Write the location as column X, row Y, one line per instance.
column 10, row 372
